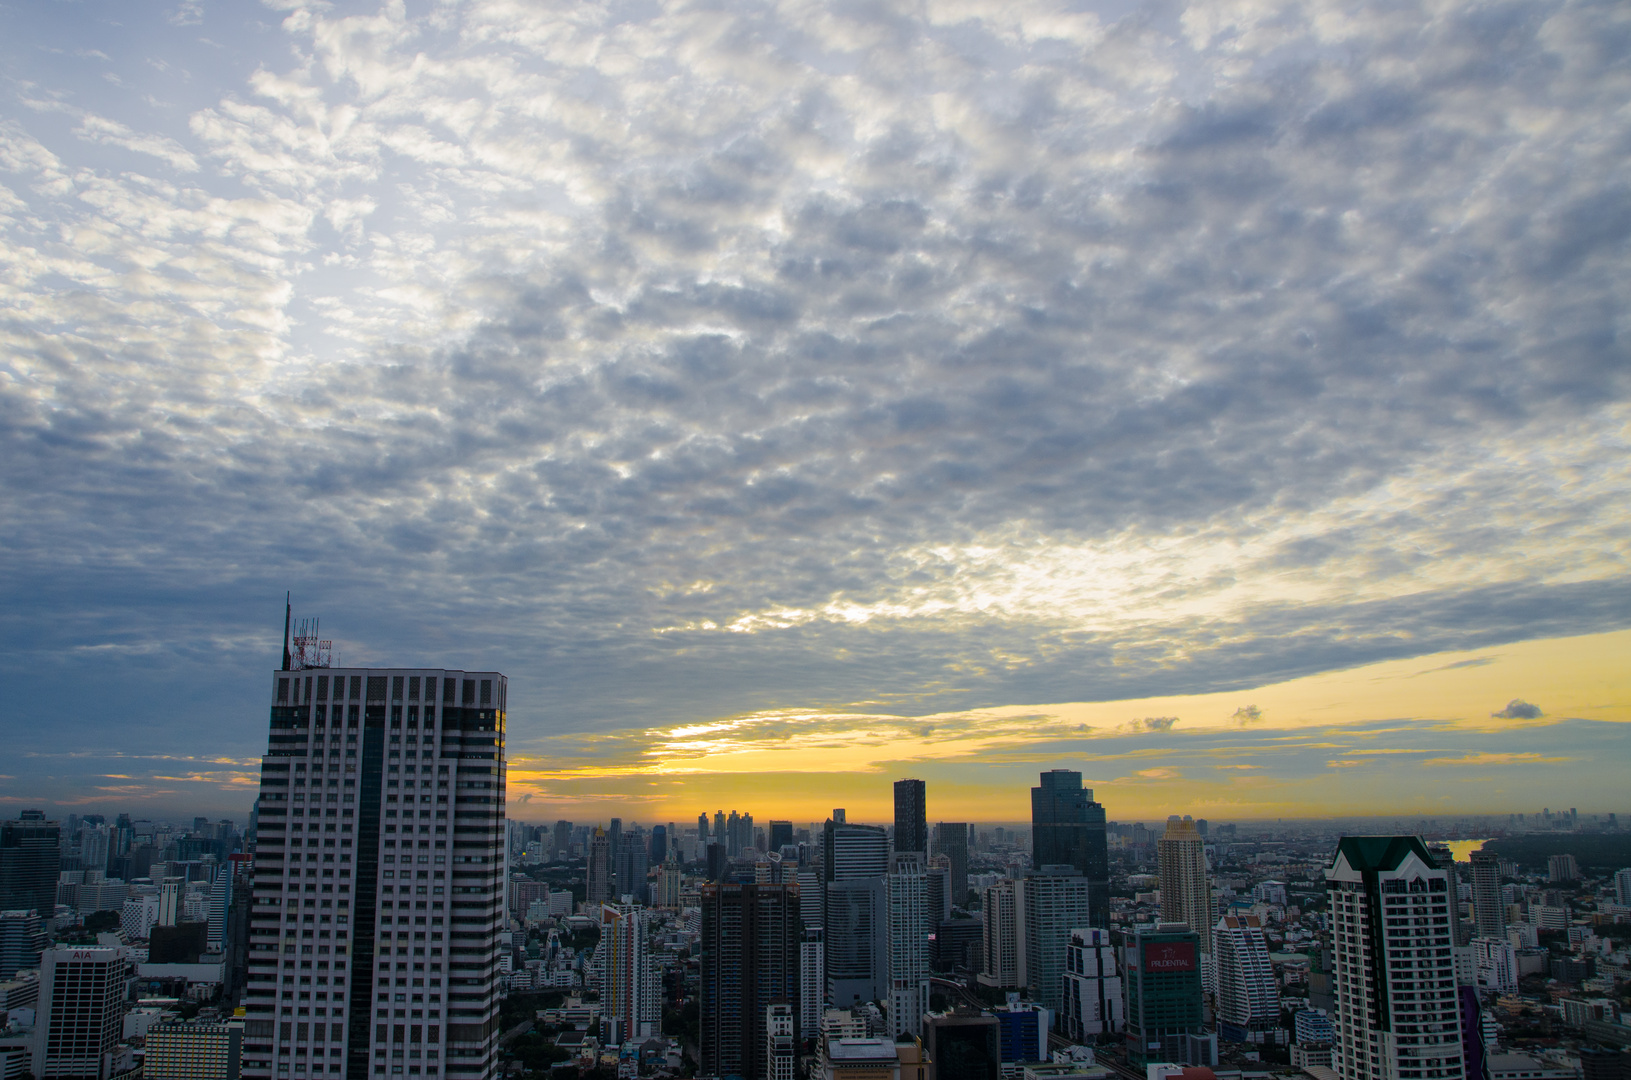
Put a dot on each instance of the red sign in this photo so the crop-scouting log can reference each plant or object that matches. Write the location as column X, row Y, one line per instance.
column 1169, row 956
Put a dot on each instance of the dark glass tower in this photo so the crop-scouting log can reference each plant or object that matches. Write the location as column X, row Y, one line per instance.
column 749, row 961
column 1067, row 826
column 30, row 862
column 911, row 816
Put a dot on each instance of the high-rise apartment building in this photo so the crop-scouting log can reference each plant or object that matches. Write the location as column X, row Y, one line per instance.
column 1049, row 903
column 80, row 1013
column 1488, row 906
column 812, row 976
column 1495, row 964
column 1094, row 1007
column 1562, row 868
column 1248, row 995
column 999, row 967
column 30, row 862
column 630, row 991
column 911, row 816
column 379, row 891
column 749, row 958
column 598, row 887
column 22, row 939
column 1186, row 888
column 1067, row 826
column 951, row 840
column 908, row 954
column 1161, row 967
column 1397, row 1015
column 1622, row 887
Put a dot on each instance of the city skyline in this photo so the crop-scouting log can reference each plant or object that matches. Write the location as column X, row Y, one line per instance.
column 793, row 398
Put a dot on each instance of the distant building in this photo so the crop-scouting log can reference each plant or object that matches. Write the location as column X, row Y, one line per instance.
column 630, row 991
column 1391, row 916
column 1067, row 826
column 951, row 840
column 1049, row 903
column 1495, row 964
column 908, row 955
column 1186, row 889
column 999, row 913
column 1093, row 1006
column 856, row 936
column 598, row 889
column 911, row 816
column 1022, row 1033
column 963, row 1044
column 22, row 939
column 30, row 862
column 193, row 1051
column 749, row 953
column 1488, row 908
column 1562, row 868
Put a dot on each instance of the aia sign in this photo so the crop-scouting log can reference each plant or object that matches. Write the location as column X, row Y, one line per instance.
column 1169, row 956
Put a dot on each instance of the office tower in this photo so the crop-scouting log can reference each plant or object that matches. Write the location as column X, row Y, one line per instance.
column 1186, row 892
column 379, row 876
column 999, row 914
column 702, row 828
column 614, row 844
column 719, row 827
column 908, row 955
column 30, row 860
column 939, row 881
column 1067, row 826
column 22, row 939
column 1488, row 906
column 1022, row 1032
column 1397, row 1016
column 911, row 816
column 857, row 939
column 598, row 887
column 1248, row 995
column 957, row 945
column 630, row 991
column 781, row 1045
column 1050, row 903
column 1622, row 887
column 812, row 906
column 812, row 976
column 853, row 851
column 1562, row 868
column 749, row 961
column 659, row 844
column 671, row 881
column 964, row 1044
column 1161, row 967
column 716, row 860
column 562, row 845
column 81, row 1012
column 781, row 834
column 1093, row 1007
column 951, row 840
column 190, row 1050
column 631, row 871
column 1496, row 964
column 139, row 915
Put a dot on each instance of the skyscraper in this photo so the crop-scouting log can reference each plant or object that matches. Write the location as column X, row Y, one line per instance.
column 1186, row 891
column 561, row 845
column 22, row 939
column 631, row 996
column 378, row 894
column 1067, row 826
column 1000, row 941
column 951, row 840
column 1488, row 908
column 911, row 816
column 1093, row 1007
column 30, row 861
column 1049, row 903
column 856, row 936
column 853, row 851
column 1165, row 1021
column 1397, row 1015
column 1248, row 995
column 632, row 867
column 598, row 883
column 908, row 943
column 81, row 1012
column 749, row 961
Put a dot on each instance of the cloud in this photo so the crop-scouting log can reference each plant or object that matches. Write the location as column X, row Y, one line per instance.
column 707, row 368
column 1490, row 758
column 1247, row 715
column 1151, row 723
column 1518, row 709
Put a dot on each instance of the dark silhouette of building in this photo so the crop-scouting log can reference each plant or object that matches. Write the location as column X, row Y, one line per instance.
column 749, row 958
column 963, row 1044
column 951, row 840
column 911, row 816
column 1067, row 826
column 182, row 943
column 30, row 862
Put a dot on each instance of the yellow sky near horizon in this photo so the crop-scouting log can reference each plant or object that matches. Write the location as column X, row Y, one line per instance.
column 1429, row 734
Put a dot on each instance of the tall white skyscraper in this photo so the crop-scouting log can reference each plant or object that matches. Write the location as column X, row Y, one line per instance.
column 1186, row 892
column 1094, row 1004
column 379, row 889
column 1397, row 1015
column 909, row 927
column 81, row 1012
column 1000, row 961
column 1248, row 996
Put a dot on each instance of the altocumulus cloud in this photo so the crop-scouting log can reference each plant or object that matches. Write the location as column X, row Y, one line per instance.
column 684, row 361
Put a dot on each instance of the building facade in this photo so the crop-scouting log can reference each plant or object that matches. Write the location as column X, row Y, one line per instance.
column 30, row 862
column 630, row 991
column 1093, row 1007
column 999, row 915
column 749, row 959
column 1161, row 966
column 1186, row 890
column 1049, row 904
column 911, row 816
column 80, row 1012
column 378, row 889
column 1488, row 906
column 909, row 928
column 193, row 1051
column 951, row 840
column 1397, row 1015
column 1067, row 826
column 1248, row 995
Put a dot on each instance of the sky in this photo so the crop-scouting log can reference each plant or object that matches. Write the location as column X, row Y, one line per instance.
column 1228, row 400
